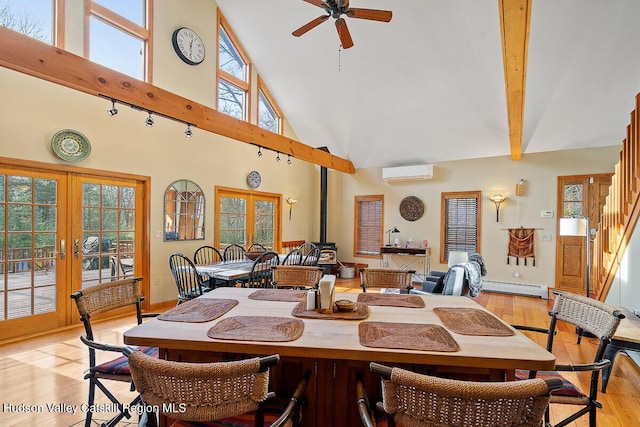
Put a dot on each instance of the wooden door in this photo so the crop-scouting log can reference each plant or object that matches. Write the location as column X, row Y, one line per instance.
column 578, row 196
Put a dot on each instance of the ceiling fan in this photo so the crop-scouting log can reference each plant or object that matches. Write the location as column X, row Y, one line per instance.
column 335, row 9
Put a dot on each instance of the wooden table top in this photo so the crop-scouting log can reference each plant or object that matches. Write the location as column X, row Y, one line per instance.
column 338, row 339
column 629, row 327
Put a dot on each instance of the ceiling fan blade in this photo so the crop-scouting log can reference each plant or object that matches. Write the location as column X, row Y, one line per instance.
column 343, row 33
column 318, row 3
column 371, row 14
column 310, row 25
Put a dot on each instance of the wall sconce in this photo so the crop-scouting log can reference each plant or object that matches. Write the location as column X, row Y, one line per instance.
column 497, row 199
column 291, row 201
column 520, row 188
column 392, row 230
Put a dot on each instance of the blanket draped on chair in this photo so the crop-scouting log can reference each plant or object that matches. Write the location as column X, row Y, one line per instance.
column 521, row 245
column 472, row 273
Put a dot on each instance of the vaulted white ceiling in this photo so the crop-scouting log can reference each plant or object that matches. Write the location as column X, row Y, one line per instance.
column 429, row 86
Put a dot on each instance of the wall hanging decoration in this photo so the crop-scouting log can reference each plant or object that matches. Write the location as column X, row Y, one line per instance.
column 411, row 208
column 521, row 245
column 70, row 145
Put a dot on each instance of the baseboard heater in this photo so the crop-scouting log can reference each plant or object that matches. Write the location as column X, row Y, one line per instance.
column 516, row 289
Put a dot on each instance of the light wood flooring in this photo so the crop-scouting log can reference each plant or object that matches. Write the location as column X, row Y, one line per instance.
column 48, row 370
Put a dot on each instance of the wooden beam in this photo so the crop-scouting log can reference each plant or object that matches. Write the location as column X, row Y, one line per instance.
column 32, row 57
column 515, row 21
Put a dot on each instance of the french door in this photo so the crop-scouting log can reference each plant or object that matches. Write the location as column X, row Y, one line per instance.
column 246, row 217
column 61, row 232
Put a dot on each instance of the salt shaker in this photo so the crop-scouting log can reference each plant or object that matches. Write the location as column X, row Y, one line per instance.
column 311, row 299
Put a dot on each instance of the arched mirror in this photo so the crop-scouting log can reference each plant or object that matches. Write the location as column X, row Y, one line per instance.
column 183, row 211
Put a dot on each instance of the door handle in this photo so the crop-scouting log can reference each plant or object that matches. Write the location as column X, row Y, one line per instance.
column 76, row 246
column 63, row 249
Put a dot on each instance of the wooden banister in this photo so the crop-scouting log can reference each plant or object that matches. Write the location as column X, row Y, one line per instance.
column 620, row 212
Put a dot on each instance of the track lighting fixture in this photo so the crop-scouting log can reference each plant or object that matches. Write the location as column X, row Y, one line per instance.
column 188, row 133
column 113, row 110
column 278, row 157
column 288, row 159
column 259, row 151
column 149, row 121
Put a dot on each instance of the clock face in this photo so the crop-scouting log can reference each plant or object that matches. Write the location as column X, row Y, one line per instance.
column 254, row 179
column 188, row 45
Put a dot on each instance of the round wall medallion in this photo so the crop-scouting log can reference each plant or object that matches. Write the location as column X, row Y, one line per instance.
column 254, row 179
column 411, row 208
column 70, row 145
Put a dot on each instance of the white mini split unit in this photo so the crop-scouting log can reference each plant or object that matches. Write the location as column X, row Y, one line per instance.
column 408, row 173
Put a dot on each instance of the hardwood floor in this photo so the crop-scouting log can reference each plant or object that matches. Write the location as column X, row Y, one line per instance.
column 48, row 370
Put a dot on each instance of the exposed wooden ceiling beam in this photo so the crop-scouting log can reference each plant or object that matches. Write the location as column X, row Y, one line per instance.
column 515, row 21
column 32, row 57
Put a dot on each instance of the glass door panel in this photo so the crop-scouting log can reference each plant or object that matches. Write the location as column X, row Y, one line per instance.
column 31, row 227
column 233, row 221
column 264, row 223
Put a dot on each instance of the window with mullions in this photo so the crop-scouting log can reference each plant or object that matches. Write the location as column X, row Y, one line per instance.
column 460, row 223
column 33, row 18
column 233, row 74
column 269, row 116
column 368, row 227
column 119, row 37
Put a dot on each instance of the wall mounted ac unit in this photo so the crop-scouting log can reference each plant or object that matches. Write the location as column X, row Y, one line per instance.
column 408, row 173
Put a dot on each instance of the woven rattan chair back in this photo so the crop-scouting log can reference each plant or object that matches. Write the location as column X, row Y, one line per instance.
column 233, row 253
column 188, row 281
column 261, row 271
column 202, row 391
column 293, row 258
column 386, row 278
column 206, row 255
column 98, row 299
column 296, row 276
column 588, row 314
column 421, row 400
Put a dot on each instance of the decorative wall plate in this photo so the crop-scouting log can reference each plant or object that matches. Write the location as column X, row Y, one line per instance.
column 411, row 208
column 70, row 145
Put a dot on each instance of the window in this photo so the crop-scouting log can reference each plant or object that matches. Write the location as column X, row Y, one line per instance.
column 269, row 116
column 233, row 74
column 368, row 227
column 33, row 18
column 119, row 36
column 459, row 222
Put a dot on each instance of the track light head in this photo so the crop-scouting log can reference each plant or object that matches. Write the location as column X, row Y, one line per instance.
column 149, row 121
column 278, row 157
column 113, row 110
column 259, row 151
column 188, row 133
column 288, row 159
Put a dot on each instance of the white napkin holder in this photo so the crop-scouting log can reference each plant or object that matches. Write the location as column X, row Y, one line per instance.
column 326, row 288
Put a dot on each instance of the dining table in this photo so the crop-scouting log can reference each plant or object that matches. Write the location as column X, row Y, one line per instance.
column 448, row 336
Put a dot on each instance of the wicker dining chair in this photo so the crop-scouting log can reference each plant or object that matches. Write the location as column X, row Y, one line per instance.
column 296, row 276
column 411, row 400
column 387, row 280
column 104, row 298
column 587, row 315
column 213, row 394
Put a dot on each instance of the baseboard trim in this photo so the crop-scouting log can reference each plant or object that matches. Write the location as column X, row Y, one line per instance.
column 539, row 291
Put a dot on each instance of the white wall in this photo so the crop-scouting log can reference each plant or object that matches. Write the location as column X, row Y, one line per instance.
column 489, row 175
column 624, row 289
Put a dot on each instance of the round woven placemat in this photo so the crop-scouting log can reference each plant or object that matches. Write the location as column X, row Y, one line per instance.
column 411, row 208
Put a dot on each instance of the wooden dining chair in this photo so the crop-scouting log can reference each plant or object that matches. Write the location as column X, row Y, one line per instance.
column 260, row 274
column 186, row 277
column 234, row 393
column 207, row 255
column 387, row 280
column 293, row 258
column 412, row 399
column 587, row 315
column 233, row 252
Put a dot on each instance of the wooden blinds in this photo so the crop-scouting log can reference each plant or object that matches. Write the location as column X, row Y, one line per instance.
column 460, row 222
column 368, row 225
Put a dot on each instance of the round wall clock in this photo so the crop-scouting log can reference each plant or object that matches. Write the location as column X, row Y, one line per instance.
column 70, row 145
column 254, row 179
column 188, row 45
column 411, row 208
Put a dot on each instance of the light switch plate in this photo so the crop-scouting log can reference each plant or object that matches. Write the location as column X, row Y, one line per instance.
column 546, row 214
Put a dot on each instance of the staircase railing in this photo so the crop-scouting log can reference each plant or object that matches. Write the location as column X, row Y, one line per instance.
column 620, row 212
